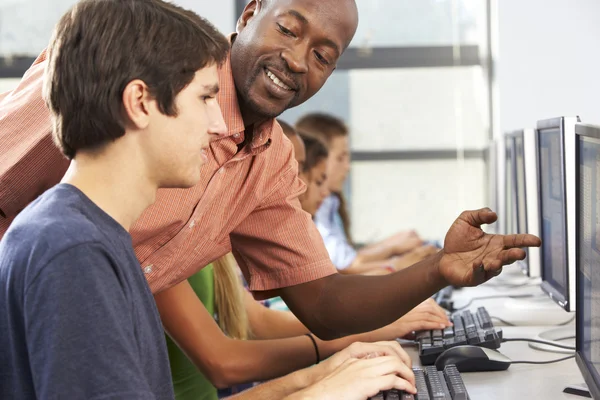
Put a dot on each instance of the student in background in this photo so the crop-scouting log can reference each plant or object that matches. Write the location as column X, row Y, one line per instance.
column 333, row 220
column 77, row 318
column 314, row 174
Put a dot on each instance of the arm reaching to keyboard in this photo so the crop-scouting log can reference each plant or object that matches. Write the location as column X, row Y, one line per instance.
column 383, row 364
column 344, row 304
column 358, row 379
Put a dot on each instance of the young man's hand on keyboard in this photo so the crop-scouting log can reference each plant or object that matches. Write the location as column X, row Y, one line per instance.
column 426, row 316
column 471, row 256
column 361, row 378
column 359, row 350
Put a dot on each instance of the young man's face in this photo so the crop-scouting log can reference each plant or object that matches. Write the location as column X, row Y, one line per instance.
column 286, row 50
column 179, row 143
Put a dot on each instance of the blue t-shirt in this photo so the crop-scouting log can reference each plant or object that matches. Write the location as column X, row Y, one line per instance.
column 77, row 318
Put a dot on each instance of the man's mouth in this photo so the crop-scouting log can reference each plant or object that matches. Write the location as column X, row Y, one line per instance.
column 277, row 81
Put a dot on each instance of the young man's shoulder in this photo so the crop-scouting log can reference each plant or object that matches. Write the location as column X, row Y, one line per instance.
column 55, row 223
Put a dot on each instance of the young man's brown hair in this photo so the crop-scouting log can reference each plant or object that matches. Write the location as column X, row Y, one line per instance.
column 84, row 89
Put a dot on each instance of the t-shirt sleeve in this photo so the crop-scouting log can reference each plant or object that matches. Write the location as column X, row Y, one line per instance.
column 30, row 162
column 79, row 330
column 278, row 244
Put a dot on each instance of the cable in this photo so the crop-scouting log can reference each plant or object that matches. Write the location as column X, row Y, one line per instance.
column 561, row 346
column 567, row 322
column 499, row 296
column 544, row 362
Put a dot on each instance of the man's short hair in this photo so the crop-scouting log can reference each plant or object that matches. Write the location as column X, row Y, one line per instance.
column 99, row 46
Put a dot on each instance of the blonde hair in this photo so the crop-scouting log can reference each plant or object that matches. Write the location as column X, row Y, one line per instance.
column 229, row 299
column 326, row 127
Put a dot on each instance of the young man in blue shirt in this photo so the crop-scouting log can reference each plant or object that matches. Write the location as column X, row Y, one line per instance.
column 131, row 86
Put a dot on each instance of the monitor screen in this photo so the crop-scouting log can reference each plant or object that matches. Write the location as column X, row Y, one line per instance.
column 509, row 189
column 553, row 211
column 588, row 260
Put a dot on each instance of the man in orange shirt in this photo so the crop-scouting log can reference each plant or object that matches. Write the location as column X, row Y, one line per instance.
column 246, row 199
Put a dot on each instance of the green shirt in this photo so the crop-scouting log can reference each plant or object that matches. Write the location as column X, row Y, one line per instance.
column 189, row 383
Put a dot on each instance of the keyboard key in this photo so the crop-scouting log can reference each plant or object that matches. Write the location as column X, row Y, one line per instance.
column 407, row 396
column 392, row 395
column 421, row 384
column 378, row 396
column 456, row 386
column 448, row 332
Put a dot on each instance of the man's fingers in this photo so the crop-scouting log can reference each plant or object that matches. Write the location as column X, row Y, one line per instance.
column 388, row 382
column 391, row 348
column 509, row 256
column 521, row 240
column 388, row 365
column 479, row 217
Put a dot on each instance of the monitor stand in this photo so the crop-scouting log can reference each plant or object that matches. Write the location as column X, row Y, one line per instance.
column 578, row 390
column 558, row 336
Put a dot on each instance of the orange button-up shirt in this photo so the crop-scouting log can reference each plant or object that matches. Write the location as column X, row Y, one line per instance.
column 246, row 200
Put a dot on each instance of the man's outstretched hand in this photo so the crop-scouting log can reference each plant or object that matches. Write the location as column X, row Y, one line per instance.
column 471, row 256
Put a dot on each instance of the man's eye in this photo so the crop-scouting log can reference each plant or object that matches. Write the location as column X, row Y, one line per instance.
column 285, row 31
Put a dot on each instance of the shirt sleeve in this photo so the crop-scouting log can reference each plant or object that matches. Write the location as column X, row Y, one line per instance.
column 278, row 244
column 30, row 162
column 80, row 336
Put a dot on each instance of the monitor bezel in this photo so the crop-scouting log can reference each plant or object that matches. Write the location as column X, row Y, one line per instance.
column 566, row 126
column 512, row 136
column 532, row 190
column 583, row 364
column 509, row 144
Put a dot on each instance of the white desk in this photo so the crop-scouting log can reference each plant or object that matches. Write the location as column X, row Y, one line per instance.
column 520, row 381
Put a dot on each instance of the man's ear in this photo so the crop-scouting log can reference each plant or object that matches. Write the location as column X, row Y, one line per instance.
column 249, row 12
column 136, row 104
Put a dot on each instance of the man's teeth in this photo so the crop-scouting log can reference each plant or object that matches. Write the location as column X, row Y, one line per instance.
column 277, row 81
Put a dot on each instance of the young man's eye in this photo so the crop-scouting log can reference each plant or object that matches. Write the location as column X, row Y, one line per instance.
column 207, row 98
column 285, row 31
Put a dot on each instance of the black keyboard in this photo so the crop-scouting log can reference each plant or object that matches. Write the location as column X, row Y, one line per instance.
column 444, row 298
column 431, row 385
column 469, row 328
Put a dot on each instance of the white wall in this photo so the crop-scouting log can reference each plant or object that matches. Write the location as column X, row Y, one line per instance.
column 548, row 61
column 547, row 65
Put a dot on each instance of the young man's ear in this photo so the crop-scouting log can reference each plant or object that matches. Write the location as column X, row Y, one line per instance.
column 249, row 12
column 136, row 104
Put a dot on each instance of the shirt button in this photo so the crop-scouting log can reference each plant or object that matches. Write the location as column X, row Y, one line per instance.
column 221, row 170
column 148, row 269
column 192, row 224
column 236, row 135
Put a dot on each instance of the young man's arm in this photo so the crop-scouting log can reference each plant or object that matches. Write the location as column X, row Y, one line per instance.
column 79, row 331
column 362, row 363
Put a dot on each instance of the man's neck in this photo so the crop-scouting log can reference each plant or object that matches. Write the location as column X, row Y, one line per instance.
column 115, row 181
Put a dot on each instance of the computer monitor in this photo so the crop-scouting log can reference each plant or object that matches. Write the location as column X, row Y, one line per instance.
column 510, row 194
column 588, row 255
column 523, row 193
column 531, row 198
column 556, row 166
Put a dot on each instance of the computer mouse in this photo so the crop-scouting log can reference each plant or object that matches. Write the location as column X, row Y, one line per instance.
column 468, row 358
